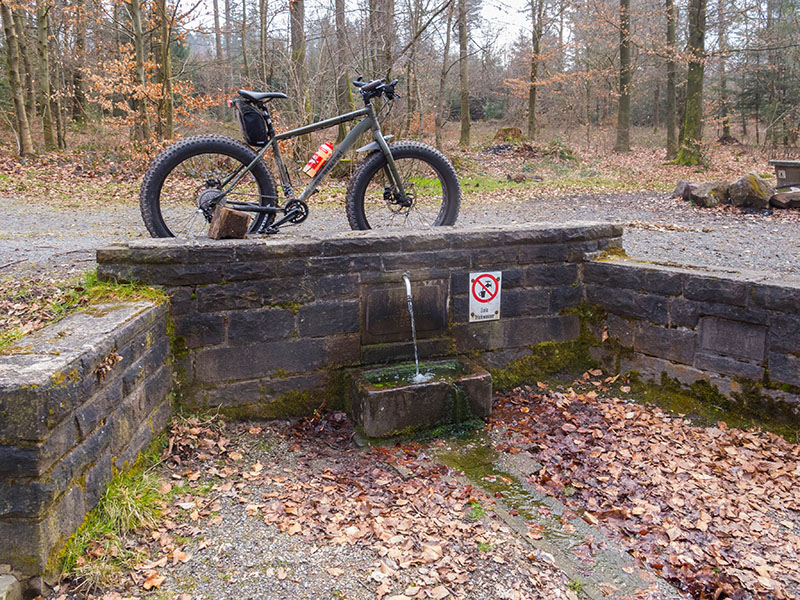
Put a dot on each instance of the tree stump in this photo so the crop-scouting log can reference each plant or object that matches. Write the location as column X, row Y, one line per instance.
column 228, row 224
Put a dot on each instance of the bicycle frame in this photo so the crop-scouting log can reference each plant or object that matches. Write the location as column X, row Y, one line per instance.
column 369, row 122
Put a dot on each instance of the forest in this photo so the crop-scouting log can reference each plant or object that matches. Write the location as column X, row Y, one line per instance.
column 140, row 72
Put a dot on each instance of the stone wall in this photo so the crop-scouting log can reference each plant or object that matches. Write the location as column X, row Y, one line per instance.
column 726, row 329
column 78, row 399
column 257, row 321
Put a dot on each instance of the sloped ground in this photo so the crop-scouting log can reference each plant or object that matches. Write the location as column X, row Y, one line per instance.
column 294, row 509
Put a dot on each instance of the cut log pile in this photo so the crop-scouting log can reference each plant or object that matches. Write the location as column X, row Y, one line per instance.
column 752, row 190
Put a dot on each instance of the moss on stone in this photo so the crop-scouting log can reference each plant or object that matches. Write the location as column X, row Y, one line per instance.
column 550, row 358
column 704, row 404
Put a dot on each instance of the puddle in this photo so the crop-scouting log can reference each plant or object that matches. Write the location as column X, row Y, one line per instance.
column 582, row 552
column 406, row 374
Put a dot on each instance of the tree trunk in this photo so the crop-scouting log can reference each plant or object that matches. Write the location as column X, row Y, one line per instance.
column 141, row 130
column 12, row 59
column 228, row 55
column 672, row 142
column 27, row 64
column 297, row 15
column 690, row 152
column 245, row 64
column 623, row 143
column 723, row 77
column 166, row 107
column 537, row 16
column 344, row 94
column 262, row 39
column 656, row 103
column 440, row 98
column 79, row 94
column 43, row 51
column 463, row 72
column 217, row 32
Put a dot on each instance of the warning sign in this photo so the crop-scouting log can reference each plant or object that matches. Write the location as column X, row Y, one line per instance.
column 484, row 296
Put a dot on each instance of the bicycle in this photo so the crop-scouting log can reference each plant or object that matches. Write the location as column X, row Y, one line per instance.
column 402, row 183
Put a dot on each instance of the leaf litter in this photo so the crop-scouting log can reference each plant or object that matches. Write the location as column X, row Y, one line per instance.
column 714, row 510
column 296, row 507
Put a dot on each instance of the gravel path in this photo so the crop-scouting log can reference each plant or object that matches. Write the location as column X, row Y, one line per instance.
column 41, row 237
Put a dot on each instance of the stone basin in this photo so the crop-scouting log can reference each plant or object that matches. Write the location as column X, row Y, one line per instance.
column 385, row 401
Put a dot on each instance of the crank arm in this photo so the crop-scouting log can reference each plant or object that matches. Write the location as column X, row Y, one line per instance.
column 287, row 217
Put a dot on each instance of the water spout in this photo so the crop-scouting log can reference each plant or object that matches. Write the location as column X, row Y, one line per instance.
column 419, row 377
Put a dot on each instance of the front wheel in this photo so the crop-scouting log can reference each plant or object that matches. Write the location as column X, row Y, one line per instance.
column 433, row 195
column 182, row 185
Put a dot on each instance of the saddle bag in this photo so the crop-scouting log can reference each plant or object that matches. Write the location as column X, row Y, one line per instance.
column 254, row 129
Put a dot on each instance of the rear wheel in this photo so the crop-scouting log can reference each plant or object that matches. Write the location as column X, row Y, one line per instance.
column 433, row 195
column 181, row 187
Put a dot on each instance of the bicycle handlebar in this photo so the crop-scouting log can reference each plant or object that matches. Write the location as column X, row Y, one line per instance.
column 375, row 88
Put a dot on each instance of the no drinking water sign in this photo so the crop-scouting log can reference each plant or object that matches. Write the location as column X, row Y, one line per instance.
column 484, row 296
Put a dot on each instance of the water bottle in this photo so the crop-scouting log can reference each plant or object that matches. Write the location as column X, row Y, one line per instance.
column 320, row 156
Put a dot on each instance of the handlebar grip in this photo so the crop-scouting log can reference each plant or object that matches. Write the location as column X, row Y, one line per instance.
column 359, row 82
column 372, row 85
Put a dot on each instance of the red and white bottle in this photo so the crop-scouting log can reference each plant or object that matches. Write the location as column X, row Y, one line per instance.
column 320, row 156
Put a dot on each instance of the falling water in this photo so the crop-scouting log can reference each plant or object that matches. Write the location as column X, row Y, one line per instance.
column 419, row 377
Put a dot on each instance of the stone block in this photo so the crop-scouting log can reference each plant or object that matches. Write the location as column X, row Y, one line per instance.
column 549, row 275
column 524, row 302
column 672, row 344
column 565, row 296
column 281, row 268
column 96, row 410
column 258, row 360
column 684, row 313
column 484, row 335
column 202, row 329
column 235, row 296
column 384, row 311
column 527, row 255
column 179, row 274
column 727, row 365
column 385, row 411
column 496, row 259
column 784, row 368
column 621, row 329
column 527, row 331
column 636, row 277
column 404, row 350
column 10, row 588
column 715, row 290
column 408, row 261
column 777, row 298
column 32, row 499
column 733, row 338
column 628, row 303
column 325, row 265
column 248, row 326
column 272, row 248
column 181, row 300
column 342, row 350
column 784, row 333
column 453, row 259
column 342, row 286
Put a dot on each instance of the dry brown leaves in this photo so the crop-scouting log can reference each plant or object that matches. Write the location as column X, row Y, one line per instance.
column 713, row 509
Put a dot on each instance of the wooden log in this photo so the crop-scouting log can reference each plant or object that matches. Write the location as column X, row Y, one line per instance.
column 228, row 224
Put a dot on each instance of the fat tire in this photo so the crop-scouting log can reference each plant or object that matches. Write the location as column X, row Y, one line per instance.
column 357, row 187
column 169, row 158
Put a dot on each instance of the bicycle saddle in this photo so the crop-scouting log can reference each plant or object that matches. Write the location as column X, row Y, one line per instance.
column 260, row 96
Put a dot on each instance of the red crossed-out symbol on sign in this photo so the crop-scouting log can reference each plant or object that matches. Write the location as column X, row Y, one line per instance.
column 484, row 288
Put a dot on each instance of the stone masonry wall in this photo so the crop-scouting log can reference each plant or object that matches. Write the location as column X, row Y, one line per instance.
column 78, row 399
column 723, row 328
column 256, row 321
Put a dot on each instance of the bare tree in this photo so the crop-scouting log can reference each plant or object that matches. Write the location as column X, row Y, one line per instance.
column 43, row 51
column 623, row 143
column 12, row 59
column 463, row 72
